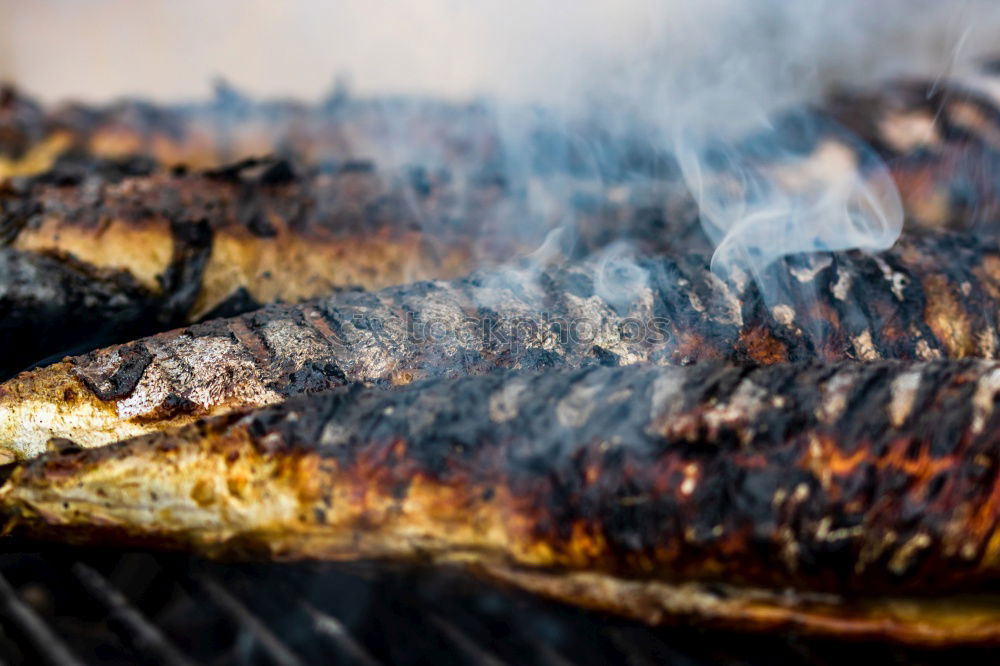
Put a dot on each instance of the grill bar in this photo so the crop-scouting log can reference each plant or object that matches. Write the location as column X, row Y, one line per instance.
column 254, row 627
column 464, row 644
column 547, row 656
column 632, row 648
column 45, row 642
column 52, row 611
column 146, row 635
column 335, row 630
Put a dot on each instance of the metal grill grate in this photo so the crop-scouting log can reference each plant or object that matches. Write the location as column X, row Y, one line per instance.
column 76, row 606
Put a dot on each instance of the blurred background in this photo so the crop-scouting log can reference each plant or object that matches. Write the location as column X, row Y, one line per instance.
column 169, row 50
column 622, row 152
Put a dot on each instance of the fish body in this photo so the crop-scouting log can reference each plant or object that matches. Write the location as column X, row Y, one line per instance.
column 939, row 139
column 50, row 303
column 860, row 500
column 209, row 134
column 929, row 297
column 219, row 242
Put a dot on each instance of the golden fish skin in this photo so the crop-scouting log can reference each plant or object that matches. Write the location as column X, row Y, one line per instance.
column 932, row 296
column 859, row 500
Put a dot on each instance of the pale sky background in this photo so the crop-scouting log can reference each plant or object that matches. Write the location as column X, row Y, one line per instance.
column 697, row 70
column 171, row 49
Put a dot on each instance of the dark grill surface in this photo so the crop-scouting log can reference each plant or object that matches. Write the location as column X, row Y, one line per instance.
column 72, row 606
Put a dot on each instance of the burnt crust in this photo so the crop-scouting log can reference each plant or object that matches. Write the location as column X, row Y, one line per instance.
column 676, row 492
column 70, row 302
column 134, row 359
column 933, row 296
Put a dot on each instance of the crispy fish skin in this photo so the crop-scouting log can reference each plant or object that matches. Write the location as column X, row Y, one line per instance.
column 849, row 499
column 930, row 297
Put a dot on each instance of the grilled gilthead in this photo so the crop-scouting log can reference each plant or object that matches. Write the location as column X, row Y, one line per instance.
column 50, row 303
column 940, row 138
column 256, row 228
column 930, row 297
column 854, row 499
column 221, row 242
column 941, row 142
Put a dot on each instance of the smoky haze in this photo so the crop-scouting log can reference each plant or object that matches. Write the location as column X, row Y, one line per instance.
column 171, row 49
column 690, row 78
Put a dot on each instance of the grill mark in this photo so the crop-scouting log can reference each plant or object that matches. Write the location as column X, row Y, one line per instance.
column 133, row 361
column 745, row 484
column 249, row 340
column 315, row 319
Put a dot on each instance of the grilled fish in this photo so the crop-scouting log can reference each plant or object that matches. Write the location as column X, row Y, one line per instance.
column 232, row 127
column 188, row 247
column 939, row 138
column 930, row 297
column 50, row 303
column 941, row 142
column 224, row 241
column 854, row 499
column 255, row 227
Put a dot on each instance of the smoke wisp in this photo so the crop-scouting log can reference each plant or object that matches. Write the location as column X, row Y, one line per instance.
column 582, row 96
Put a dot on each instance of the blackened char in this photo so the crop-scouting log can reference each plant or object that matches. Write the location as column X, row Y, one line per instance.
column 930, row 297
column 50, row 304
column 853, row 499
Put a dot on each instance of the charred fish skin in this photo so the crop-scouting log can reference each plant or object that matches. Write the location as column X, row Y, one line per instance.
column 930, row 297
column 868, row 493
column 225, row 241
column 68, row 301
column 940, row 141
column 279, row 231
column 199, row 238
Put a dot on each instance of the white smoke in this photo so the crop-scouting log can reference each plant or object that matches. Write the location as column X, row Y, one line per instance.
column 697, row 75
column 513, row 49
column 756, row 213
column 713, row 73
